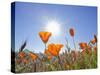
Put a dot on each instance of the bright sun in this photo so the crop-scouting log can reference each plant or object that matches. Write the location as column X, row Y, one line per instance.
column 53, row 27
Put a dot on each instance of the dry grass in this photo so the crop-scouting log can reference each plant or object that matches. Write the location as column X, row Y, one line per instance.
column 66, row 61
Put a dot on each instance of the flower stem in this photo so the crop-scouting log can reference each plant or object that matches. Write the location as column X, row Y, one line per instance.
column 74, row 43
column 45, row 46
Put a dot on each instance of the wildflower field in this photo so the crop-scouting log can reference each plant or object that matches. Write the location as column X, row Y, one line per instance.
column 52, row 60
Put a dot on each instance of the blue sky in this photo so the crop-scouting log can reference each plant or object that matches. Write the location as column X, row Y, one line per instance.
column 30, row 18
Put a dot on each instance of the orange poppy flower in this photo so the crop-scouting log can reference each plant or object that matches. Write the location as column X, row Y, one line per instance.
column 94, row 40
column 71, row 31
column 54, row 49
column 21, row 54
column 95, row 37
column 44, row 36
column 83, row 45
column 59, row 46
column 32, row 55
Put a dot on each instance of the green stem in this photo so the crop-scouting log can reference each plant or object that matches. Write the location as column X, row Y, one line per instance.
column 45, row 46
column 74, row 43
column 67, row 45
